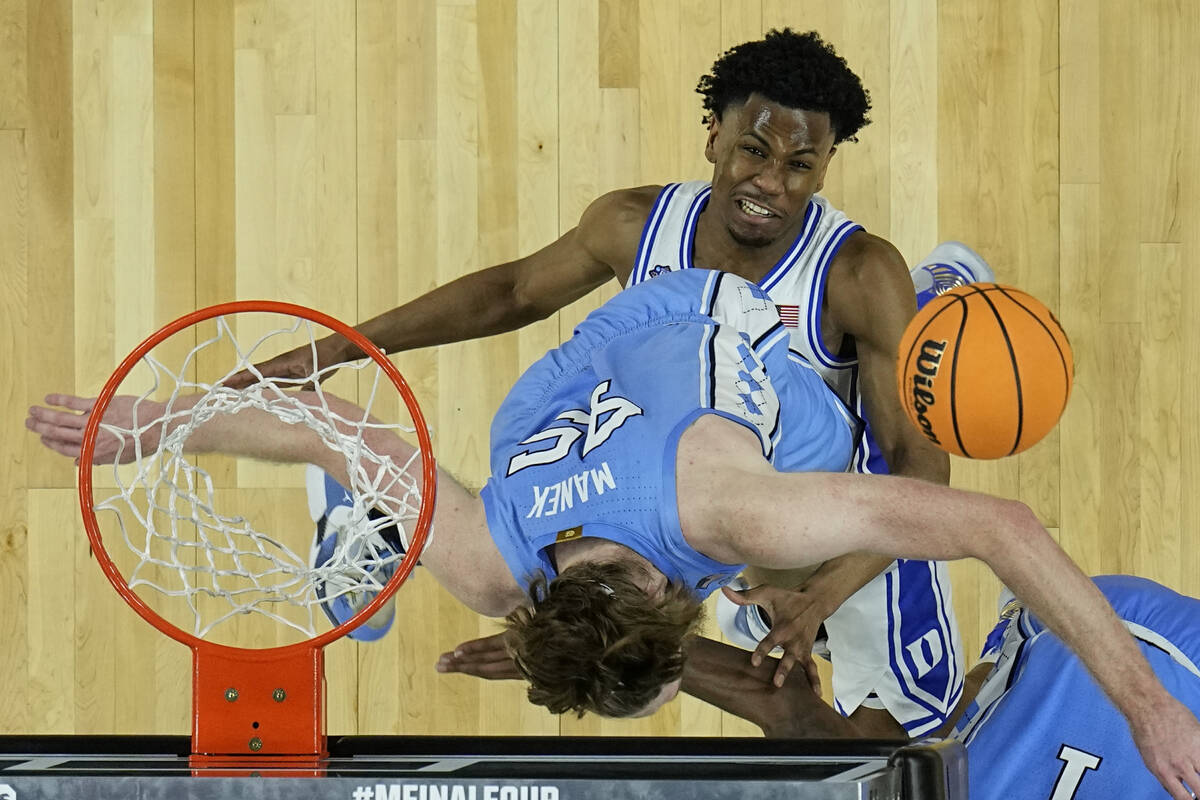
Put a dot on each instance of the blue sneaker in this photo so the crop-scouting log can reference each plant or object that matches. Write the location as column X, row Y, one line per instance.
column 331, row 506
column 949, row 265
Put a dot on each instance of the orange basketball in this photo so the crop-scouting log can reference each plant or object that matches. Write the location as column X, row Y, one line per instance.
column 985, row 370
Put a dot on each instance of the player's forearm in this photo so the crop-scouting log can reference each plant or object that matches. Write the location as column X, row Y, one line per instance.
column 256, row 434
column 480, row 304
column 1038, row 572
column 261, row 435
column 837, row 579
column 722, row 676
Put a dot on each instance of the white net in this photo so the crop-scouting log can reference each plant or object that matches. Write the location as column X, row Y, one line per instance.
column 191, row 543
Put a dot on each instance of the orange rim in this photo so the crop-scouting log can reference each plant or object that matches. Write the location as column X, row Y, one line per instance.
column 424, row 515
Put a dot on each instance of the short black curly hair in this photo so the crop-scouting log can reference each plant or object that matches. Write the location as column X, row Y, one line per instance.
column 797, row 70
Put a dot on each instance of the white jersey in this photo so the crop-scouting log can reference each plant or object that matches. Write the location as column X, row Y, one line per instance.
column 796, row 283
column 894, row 643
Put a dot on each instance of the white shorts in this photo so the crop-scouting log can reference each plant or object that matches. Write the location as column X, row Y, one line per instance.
column 895, row 645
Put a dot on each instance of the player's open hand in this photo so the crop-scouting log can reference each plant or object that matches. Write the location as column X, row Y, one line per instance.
column 1169, row 741
column 795, row 620
column 486, row 658
column 61, row 422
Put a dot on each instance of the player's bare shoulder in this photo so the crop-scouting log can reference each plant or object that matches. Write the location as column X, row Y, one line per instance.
column 868, row 277
column 611, row 227
column 865, row 257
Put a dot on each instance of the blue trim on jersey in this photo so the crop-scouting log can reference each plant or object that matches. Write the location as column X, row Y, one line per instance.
column 951, row 654
column 649, row 231
column 865, row 452
column 708, row 297
column 689, row 228
column 774, row 338
column 812, row 217
column 947, row 667
column 817, row 298
column 708, row 357
column 708, row 343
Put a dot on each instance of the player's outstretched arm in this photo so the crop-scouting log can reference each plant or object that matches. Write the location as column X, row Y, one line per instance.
column 461, row 556
column 783, row 520
column 492, row 300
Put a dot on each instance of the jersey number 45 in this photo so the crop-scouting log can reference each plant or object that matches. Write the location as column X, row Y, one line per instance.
column 595, row 425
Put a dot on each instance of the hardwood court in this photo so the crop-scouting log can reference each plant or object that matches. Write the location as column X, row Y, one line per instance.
column 158, row 156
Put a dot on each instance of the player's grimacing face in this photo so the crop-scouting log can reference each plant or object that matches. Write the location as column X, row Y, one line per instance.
column 768, row 161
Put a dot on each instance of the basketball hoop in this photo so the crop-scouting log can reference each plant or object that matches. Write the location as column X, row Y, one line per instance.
column 248, row 702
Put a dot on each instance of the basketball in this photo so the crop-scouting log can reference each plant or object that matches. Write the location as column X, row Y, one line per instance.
column 984, row 371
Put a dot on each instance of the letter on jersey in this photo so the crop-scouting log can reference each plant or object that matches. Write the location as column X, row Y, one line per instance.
column 1076, row 764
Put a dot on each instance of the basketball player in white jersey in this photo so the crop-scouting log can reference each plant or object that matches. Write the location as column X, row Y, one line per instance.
column 778, row 109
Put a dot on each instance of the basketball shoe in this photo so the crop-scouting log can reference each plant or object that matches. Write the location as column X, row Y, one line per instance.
column 746, row 626
column 1008, row 607
column 377, row 555
column 949, row 265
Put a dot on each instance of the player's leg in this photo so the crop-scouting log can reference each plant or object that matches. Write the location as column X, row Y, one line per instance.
column 459, row 552
column 331, row 507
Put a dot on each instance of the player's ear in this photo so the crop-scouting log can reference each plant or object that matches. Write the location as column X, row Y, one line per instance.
column 710, row 147
column 825, row 168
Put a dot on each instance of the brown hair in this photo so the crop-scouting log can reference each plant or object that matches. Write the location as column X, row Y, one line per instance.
column 594, row 641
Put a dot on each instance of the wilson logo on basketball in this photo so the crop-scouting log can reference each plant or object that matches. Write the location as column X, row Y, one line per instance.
column 928, row 362
column 984, row 370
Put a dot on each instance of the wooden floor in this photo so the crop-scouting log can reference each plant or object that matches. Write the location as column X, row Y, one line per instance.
column 158, row 156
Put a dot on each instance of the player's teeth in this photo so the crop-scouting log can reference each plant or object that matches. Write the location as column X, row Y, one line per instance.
column 751, row 208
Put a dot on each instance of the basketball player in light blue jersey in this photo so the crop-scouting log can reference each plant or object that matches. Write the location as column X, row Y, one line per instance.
column 1035, row 724
column 777, row 110
column 644, row 463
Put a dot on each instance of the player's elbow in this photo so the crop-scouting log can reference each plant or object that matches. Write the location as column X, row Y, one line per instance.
column 489, row 607
column 1013, row 524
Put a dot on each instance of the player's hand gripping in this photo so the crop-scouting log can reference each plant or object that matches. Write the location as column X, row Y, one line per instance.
column 297, row 364
column 796, row 616
column 486, row 658
column 1169, row 741
column 60, row 424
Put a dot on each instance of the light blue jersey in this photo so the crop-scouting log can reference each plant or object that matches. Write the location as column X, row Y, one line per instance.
column 1042, row 729
column 584, row 444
